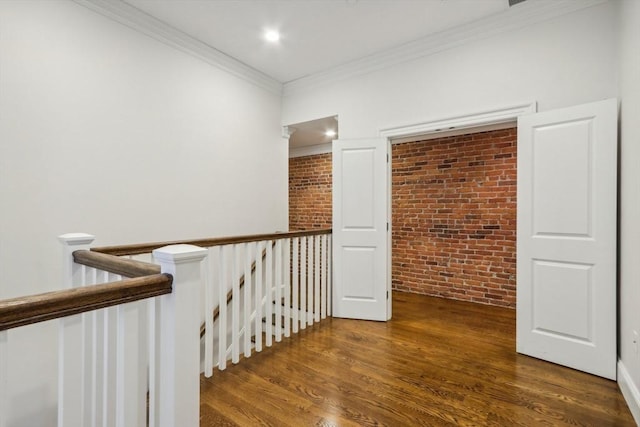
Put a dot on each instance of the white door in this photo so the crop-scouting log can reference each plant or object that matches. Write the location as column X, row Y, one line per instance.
column 566, row 238
column 360, row 236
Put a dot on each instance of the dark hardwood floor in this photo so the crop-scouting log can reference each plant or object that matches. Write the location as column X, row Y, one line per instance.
column 437, row 363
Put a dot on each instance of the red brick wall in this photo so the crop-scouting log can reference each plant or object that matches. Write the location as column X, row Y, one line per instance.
column 454, row 217
column 454, row 213
column 310, row 192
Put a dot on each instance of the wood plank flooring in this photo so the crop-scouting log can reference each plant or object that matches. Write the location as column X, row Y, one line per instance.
column 437, row 363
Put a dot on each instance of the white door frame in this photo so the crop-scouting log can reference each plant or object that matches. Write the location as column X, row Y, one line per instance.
column 490, row 119
column 455, row 125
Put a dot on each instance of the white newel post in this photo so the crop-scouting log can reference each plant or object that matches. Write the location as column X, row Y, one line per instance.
column 179, row 337
column 71, row 242
column 71, row 348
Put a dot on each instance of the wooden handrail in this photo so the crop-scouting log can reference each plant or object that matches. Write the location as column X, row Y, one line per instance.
column 53, row 305
column 144, row 248
column 116, row 265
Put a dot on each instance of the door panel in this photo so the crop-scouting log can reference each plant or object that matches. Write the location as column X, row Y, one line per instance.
column 569, row 196
column 566, row 239
column 558, row 285
column 358, row 189
column 360, row 233
column 361, row 272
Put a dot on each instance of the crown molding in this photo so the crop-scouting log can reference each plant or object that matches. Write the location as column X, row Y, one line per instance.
column 136, row 19
column 524, row 14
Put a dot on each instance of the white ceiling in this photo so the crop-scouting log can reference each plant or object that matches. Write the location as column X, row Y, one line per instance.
column 312, row 132
column 316, row 35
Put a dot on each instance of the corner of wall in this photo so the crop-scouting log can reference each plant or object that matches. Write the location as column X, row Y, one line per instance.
column 629, row 285
column 629, row 391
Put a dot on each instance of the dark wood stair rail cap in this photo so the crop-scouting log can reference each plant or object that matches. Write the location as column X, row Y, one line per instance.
column 31, row 309
column 144, row 248
column 116, row 265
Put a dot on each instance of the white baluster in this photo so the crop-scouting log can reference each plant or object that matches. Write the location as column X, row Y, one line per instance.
column 269, row 294
column 154, row 352
column 143, row 355
column 88, row 364
column 278, row 297
column 73, row 348
column 296, row 284
column 258, row 296
column 109, row 347
column 235, row 305
column 316, row 280
column 209, row 291
column 223, row 280
column 4, row 383
column 92, row 324
column 209, row 285
column 71, row 372
column 130, row 390
column 329, row 275
column 93, row 336
column 323, row 278
column 141, row 366
column 286, row 257
column 303, row 282
column 309, row 260
column 247, row 299
column 179, row 399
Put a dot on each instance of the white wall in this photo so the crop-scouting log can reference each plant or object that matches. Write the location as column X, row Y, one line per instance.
column 630, row 195
column 559, row 62
column 107, row 131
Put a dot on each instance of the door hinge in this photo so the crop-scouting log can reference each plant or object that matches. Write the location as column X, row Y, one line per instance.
column 387, row 157
column 387, row 226
column 387, row 294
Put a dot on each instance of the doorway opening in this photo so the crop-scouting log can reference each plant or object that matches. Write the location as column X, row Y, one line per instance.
column 310, row 173
column 454, row 216
column 453, row 211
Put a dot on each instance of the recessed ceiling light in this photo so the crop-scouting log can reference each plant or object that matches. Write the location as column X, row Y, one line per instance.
column 272, row 36
column 330, row 132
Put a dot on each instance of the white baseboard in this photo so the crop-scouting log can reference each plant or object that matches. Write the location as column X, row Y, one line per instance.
column 629, row 391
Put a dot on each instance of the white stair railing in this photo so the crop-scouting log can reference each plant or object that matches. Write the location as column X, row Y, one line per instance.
column 138, row 363
column 262, row 288
column 110, row 358
column 286, row 287
column 129, row 350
